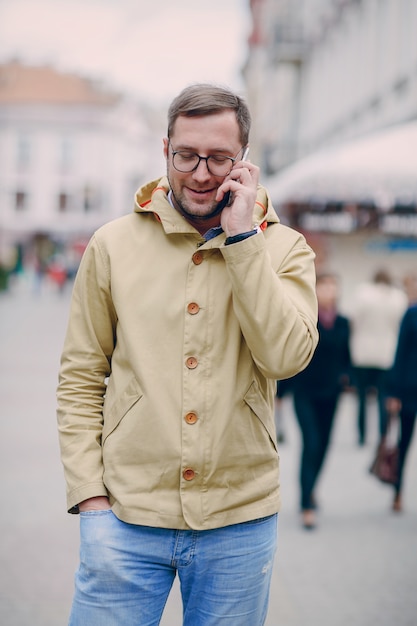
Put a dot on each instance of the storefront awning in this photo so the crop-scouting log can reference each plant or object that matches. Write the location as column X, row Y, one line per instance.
column 379, row 168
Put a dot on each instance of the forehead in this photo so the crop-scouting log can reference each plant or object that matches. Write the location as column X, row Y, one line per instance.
column 218, row 131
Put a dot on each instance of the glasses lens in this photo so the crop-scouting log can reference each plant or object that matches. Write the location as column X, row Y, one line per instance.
column 185, row 161
column 219, row 165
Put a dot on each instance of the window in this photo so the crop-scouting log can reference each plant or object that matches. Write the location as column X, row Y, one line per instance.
column 20, row 201
column 91, row 198
column 64, row 202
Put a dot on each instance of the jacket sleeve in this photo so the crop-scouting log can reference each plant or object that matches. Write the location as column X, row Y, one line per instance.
column 274, row 298
column 400, row 371
column 85, row 364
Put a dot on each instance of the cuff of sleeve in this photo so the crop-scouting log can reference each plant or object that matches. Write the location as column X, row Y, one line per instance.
column 240, row 237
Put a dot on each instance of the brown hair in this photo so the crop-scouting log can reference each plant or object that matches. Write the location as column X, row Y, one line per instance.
column 208, row 99
column 323, row 276
column 382, row 277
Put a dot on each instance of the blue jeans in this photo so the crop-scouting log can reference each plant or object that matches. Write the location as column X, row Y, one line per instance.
column 126, row 572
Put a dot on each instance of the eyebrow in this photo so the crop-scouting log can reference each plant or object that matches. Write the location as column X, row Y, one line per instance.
column 185, row 147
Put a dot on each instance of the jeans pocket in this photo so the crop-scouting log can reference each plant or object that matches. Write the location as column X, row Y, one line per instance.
column 95, row 513
column 261, row 520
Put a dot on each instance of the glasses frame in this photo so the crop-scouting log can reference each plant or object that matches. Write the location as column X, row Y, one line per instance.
column 201, row 158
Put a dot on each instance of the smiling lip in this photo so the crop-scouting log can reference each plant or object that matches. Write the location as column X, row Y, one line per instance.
column 201, row 192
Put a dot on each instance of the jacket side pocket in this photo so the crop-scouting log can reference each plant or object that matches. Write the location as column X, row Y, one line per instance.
column 120, row 406
column 259, row 406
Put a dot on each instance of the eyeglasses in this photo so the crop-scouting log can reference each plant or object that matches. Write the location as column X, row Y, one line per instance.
column 217, row 164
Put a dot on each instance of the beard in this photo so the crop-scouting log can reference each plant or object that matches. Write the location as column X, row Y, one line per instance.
column 183, row 207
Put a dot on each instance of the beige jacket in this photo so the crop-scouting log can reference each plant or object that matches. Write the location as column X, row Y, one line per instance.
column 190, row 337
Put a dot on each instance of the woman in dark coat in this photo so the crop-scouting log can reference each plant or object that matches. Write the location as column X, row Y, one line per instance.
column 317, row 389
column 403, row 384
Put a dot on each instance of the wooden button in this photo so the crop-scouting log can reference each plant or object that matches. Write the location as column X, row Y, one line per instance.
column 191, row 418
column 193, row 308
column 188, row 474
column 197, row 258
column 191, row 363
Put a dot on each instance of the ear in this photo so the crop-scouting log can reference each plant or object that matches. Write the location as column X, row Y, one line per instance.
column 166, row 146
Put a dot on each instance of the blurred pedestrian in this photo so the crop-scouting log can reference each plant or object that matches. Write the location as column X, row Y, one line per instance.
column 42, row 251
column 283, row 389
column 402, row 384
column 375, row 316
column 317, row 389
column 184, row 313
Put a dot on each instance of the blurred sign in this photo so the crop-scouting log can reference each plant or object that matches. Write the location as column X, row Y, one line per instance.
column 370, row 182
column 327, row 222
column 399, row 224
column 348, row 218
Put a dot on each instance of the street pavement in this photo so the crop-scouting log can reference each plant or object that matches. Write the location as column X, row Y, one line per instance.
column 357, row 568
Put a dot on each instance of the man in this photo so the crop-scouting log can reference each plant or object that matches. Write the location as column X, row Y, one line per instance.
column 190, row 308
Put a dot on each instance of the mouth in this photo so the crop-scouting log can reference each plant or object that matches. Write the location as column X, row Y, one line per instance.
column 201, row 194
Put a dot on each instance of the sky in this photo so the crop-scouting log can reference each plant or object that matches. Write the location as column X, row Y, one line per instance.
column 149, row 48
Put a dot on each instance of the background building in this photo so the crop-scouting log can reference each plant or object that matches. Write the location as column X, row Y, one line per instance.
column 72, row 154
column 333, row 87
column 323, row 71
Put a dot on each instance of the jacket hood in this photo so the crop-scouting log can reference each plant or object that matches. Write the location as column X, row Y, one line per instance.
column 153, row 198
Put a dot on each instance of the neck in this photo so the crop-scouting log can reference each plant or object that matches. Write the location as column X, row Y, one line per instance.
column 327, row 315
column 202, row 224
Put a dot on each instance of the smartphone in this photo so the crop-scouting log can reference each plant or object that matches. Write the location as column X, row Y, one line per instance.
column 245, row 154
column 228, row 197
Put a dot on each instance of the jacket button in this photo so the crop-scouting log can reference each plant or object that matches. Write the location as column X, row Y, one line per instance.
column 197, row 258
column 188, row 474
column 191, row 363
column 193, row 308
column 191, row 418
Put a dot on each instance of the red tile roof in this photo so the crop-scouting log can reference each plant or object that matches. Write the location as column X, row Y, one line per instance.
column 23, row 84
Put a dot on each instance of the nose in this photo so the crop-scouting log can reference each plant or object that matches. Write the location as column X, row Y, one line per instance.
column 201, row 172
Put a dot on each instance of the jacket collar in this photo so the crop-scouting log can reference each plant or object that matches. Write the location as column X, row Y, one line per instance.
column 153, row 198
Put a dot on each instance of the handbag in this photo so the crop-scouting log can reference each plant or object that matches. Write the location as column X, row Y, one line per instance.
column 385, row 464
